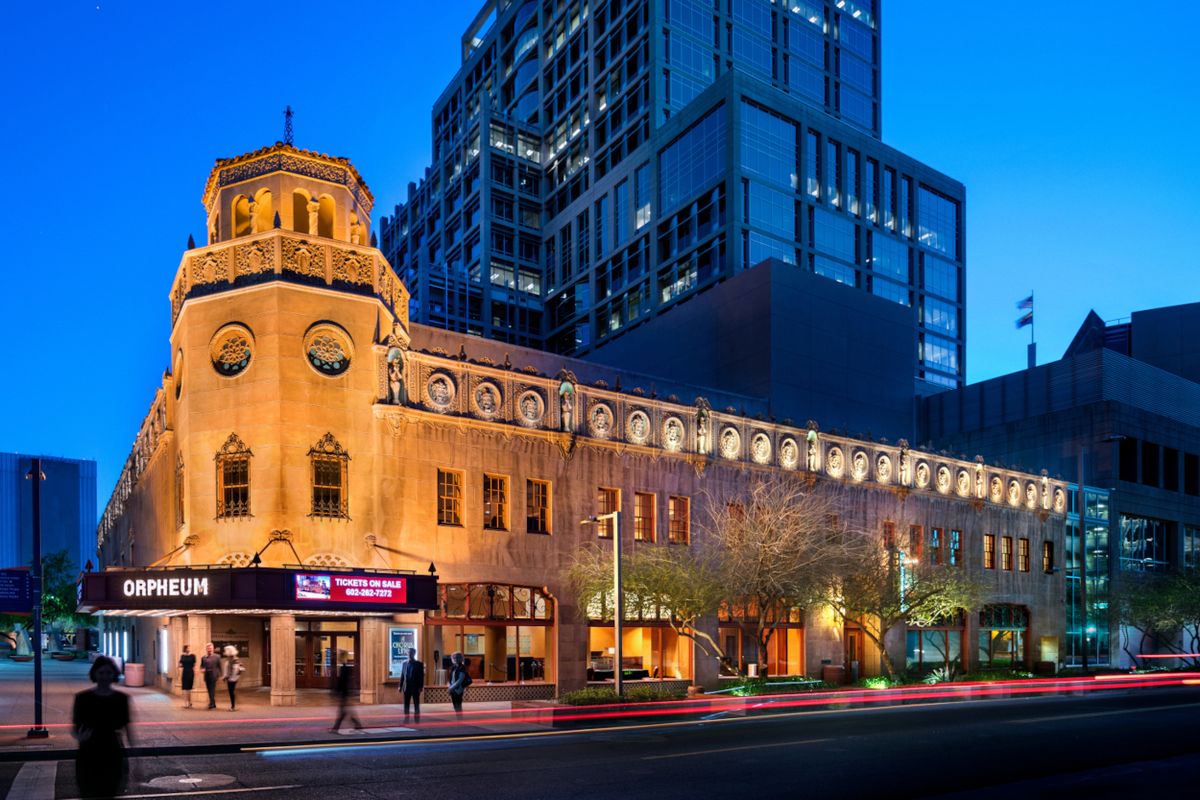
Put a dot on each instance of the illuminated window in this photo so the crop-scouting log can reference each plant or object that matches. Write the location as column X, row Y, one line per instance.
column 889, row 535
column 914, row 542
column 450, row 488
column 233, row 479
column 330, row 465
column 989, row 551
column 607, row 502
column 1023, row 555
column 537, row 506
column 495, row 502
column 643, row 517
column 936, row 545
column 678, row 520
column 955, row 548
column 1006, row 561
column 1047, row 556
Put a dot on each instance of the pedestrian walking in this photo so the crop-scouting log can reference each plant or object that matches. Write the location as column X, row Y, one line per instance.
column 187, row 675
column 233, row 673
column 341, row 688
column 459, row 681
column 210, row 665
column 412, row 682
column 99, row 718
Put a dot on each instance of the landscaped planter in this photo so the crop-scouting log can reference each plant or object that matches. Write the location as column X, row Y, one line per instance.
column 21, row 658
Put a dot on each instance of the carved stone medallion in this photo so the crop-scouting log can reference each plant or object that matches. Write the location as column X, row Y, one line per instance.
column 673, row 434
column 760, row 448
column 440, row 391
column 1014, row 493
column 834, row 462
column 731, row 443
column 883, row 469
column 600, row 421
column 789, row 454
column 638, row 427
column 487, row 400
column 859, row 466
column 530, row 409
column 962, row 483
column 943, row 479
column 923, row 475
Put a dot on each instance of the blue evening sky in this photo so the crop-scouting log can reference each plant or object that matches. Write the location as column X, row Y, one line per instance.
column 1071, row 125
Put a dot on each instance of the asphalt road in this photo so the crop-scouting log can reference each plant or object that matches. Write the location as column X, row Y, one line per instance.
column 1119, row 745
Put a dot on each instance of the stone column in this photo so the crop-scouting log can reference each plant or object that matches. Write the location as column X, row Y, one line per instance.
column 177, row 635
column 283, row 667
column 372, row 661
column 199, row 633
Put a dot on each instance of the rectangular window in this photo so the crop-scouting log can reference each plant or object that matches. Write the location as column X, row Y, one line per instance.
column 1047, row 557
column 678, row 520
column 1191, row 546
column 768, row 146
column 641, row 194
column 955, row 548
column 537, row 506
column 936, row 545
column 643, row 517
column 329, row 487
column 889, row 198
column 693, row 162
column 834, row 235
column 833, row 177
column 495, row 502
column 233, row 493
column 450, row 487
column 889, row 535
column 915, row 540
column 603, row 220
column 607, row 502
column 1006, row 554
column 989, row 551
column 812, row 182
column 621, row 213
column 937, row 221
column 852, row 181
column 1023, row 555
column 871, row 189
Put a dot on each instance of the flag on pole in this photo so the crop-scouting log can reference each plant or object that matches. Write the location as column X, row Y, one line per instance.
column 1026, row 304
column 1026, row 319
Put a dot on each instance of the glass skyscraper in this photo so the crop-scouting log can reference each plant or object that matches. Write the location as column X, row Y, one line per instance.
column 596, row 162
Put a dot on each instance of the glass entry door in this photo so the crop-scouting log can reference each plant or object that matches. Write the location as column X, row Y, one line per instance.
column 317, row 654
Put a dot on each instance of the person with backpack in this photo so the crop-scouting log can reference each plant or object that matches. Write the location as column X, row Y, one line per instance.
column 460, row 679
column 233, row 673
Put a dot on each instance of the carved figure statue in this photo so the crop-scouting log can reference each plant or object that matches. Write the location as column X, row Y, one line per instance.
column 566, row 395
column 254, row 216
column 811, row 439
column 355, row 232
column 396, row 394
column 702, row 429
column 313, row 217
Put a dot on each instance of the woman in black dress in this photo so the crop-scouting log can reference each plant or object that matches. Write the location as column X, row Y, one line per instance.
column 99, row 717
column 187, row 675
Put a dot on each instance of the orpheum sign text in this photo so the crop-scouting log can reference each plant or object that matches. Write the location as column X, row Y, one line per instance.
column 214, row 589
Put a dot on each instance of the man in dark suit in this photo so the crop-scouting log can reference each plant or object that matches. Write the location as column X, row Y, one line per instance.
column 412, row 681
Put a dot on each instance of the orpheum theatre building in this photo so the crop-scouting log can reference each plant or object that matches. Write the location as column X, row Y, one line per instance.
column 318, row 478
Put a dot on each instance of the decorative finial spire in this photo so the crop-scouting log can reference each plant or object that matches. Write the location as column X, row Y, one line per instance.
column 287, row 125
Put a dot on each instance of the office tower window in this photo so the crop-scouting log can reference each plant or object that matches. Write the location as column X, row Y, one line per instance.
column 834, row 235
column 916, row 539
column 871, row 189
column 941, row 276
column 678, row 520
column 768, row 147
column 771, row 210
column 1047, row 557
column 937, row 218
column 889, row 257
column 833, row 175
column 603, row 243
column 751, row 53
column 537, row 506
column 828, row 268
column 1023, row 555
column 806, row 79
column 1143, row 544
column 495, row 502
column 1191, row 546
column 852, row 191
column 1006, row 553
column 812, row 156
column 694, row 17
column 905, row 206
column 857, row 73
column 450, row 488
column 759, row 248
column 693, row 162
column 641, row 194
column 889, row 198
column 941, row 316
column 643, row 517
column 989, row 551
column 939, row 353
column 955, row 550
column 896, row 292
column 621, row 213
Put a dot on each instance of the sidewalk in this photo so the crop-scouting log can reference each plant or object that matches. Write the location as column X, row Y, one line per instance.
column 160, row 720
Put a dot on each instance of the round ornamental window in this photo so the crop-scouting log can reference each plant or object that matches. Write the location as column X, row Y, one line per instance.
column 231, row 350
column 327, row 349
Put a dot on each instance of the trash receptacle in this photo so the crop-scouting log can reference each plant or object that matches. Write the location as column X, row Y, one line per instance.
column 833, row 673
column 854, row 672
column 135, row 674
column 752, row 670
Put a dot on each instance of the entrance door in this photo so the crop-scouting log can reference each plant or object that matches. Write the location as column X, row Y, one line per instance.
column 853, row 639
column 317, row 654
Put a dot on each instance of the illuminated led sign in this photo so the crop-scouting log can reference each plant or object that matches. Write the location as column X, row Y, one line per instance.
column 351, row 588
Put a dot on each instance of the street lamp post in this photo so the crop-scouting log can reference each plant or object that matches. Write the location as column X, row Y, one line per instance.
column 38, row 731
column 618, row 610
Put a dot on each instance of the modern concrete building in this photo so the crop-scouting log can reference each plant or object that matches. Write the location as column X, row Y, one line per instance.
column 319, row 477
column 597, row 164
column 1121, row 410
column 68, row 509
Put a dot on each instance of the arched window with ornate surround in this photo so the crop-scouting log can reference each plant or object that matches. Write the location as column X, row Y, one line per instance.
column 330, row 479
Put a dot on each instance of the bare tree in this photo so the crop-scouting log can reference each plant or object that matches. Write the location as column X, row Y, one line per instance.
column 781, row 545
column 679, row 586
column 884, row 589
